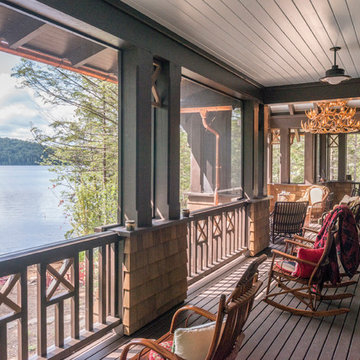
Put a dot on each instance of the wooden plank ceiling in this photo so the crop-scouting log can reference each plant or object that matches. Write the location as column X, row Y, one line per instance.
column 274, row 42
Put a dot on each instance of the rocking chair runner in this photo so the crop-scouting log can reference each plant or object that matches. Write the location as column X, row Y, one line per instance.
column 229, row 321
column 309, row 289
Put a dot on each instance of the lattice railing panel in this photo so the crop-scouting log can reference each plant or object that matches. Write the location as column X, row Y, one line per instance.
column 214, row 236
column 56, row 300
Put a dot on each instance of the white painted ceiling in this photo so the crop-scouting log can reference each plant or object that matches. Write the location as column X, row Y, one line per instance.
column 274, row 42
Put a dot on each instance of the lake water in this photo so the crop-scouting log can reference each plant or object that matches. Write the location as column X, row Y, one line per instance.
column 30, row 215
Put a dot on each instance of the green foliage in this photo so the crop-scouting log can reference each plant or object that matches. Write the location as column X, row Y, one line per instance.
column 84, row 148
column 297, row 163
column 352, row 156
column 185, row 155
column 236, row 144
column 20, row 152
column 276, row 163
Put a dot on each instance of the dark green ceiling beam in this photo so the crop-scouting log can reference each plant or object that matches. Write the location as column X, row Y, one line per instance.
column 311, row 92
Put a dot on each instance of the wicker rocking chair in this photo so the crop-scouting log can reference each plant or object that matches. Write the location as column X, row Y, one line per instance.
column 229, row 321
column 287, row 219
column 308, row 289
column 317, row 196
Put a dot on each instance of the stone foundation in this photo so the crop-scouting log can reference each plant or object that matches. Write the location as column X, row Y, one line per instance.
column 258, row 225
column 155, row 273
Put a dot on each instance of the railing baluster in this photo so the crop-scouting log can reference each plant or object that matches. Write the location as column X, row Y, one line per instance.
column 75, row 301
column 3, row 341
column 89, row 290
column 102, row 284
column 237, row 234
column 114, row 279
column 195, row 247
column 59, row 324
column 108, row 280
column 23, row 339
column 209, row 232
column 211, row 240
column 223, row 237
column 41, row 305
column 189, row 249
column 23, row 321
column 202, row 256
column 120, row 278
column 246, row 227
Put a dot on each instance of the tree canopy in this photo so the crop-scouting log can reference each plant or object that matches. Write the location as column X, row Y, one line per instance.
column 84, row 148
column 20, row 152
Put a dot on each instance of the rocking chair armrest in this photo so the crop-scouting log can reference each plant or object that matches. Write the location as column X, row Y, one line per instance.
column 194, row 309
column 289, row 241
column 291, row 257
column 150, row 344
column 301, row 238
column 318, row 203
column 310, row 229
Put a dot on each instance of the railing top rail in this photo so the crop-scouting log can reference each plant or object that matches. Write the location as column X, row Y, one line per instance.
column 15, row 262
column 219, row 209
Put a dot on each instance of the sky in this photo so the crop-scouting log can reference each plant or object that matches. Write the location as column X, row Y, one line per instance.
column 20, row 109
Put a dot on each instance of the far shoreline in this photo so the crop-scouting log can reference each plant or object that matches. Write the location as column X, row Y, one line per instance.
column 23, row 165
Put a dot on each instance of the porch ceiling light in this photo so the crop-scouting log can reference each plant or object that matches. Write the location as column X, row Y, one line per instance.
column 332, row 117
column 335, row 75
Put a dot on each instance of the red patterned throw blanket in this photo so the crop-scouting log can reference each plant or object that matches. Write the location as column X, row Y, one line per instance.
column 345, row 244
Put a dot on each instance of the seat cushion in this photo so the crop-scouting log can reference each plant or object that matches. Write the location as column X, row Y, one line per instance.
column 305, row 270
column 286, row 266
column 316, row 195
column 153, row 355
column 193, row 343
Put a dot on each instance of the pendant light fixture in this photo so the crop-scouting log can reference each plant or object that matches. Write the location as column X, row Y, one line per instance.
column 335, row 75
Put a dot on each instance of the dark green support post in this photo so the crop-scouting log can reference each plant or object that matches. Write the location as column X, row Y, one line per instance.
column 167, row 137
column 135, row 129
column 248, row 153
column 342, row 157
column 323, row 157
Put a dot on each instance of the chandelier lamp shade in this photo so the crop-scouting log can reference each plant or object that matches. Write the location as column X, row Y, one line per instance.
column 335, row 75
column 334, row 117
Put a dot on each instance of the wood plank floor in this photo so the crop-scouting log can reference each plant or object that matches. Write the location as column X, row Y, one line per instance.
column 269, row 333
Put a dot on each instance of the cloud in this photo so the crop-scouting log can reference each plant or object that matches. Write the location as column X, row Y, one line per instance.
column 20, row 109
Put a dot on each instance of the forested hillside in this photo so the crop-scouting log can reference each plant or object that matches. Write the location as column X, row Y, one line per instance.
column 19, row 152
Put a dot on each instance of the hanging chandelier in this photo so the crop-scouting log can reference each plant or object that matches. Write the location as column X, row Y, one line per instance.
column 332, row 117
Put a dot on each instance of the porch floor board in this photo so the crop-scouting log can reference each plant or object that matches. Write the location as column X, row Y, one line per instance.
column 269, row 333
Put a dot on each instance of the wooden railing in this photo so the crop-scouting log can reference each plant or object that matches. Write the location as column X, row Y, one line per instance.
column 56, row 299
column 215, row 237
